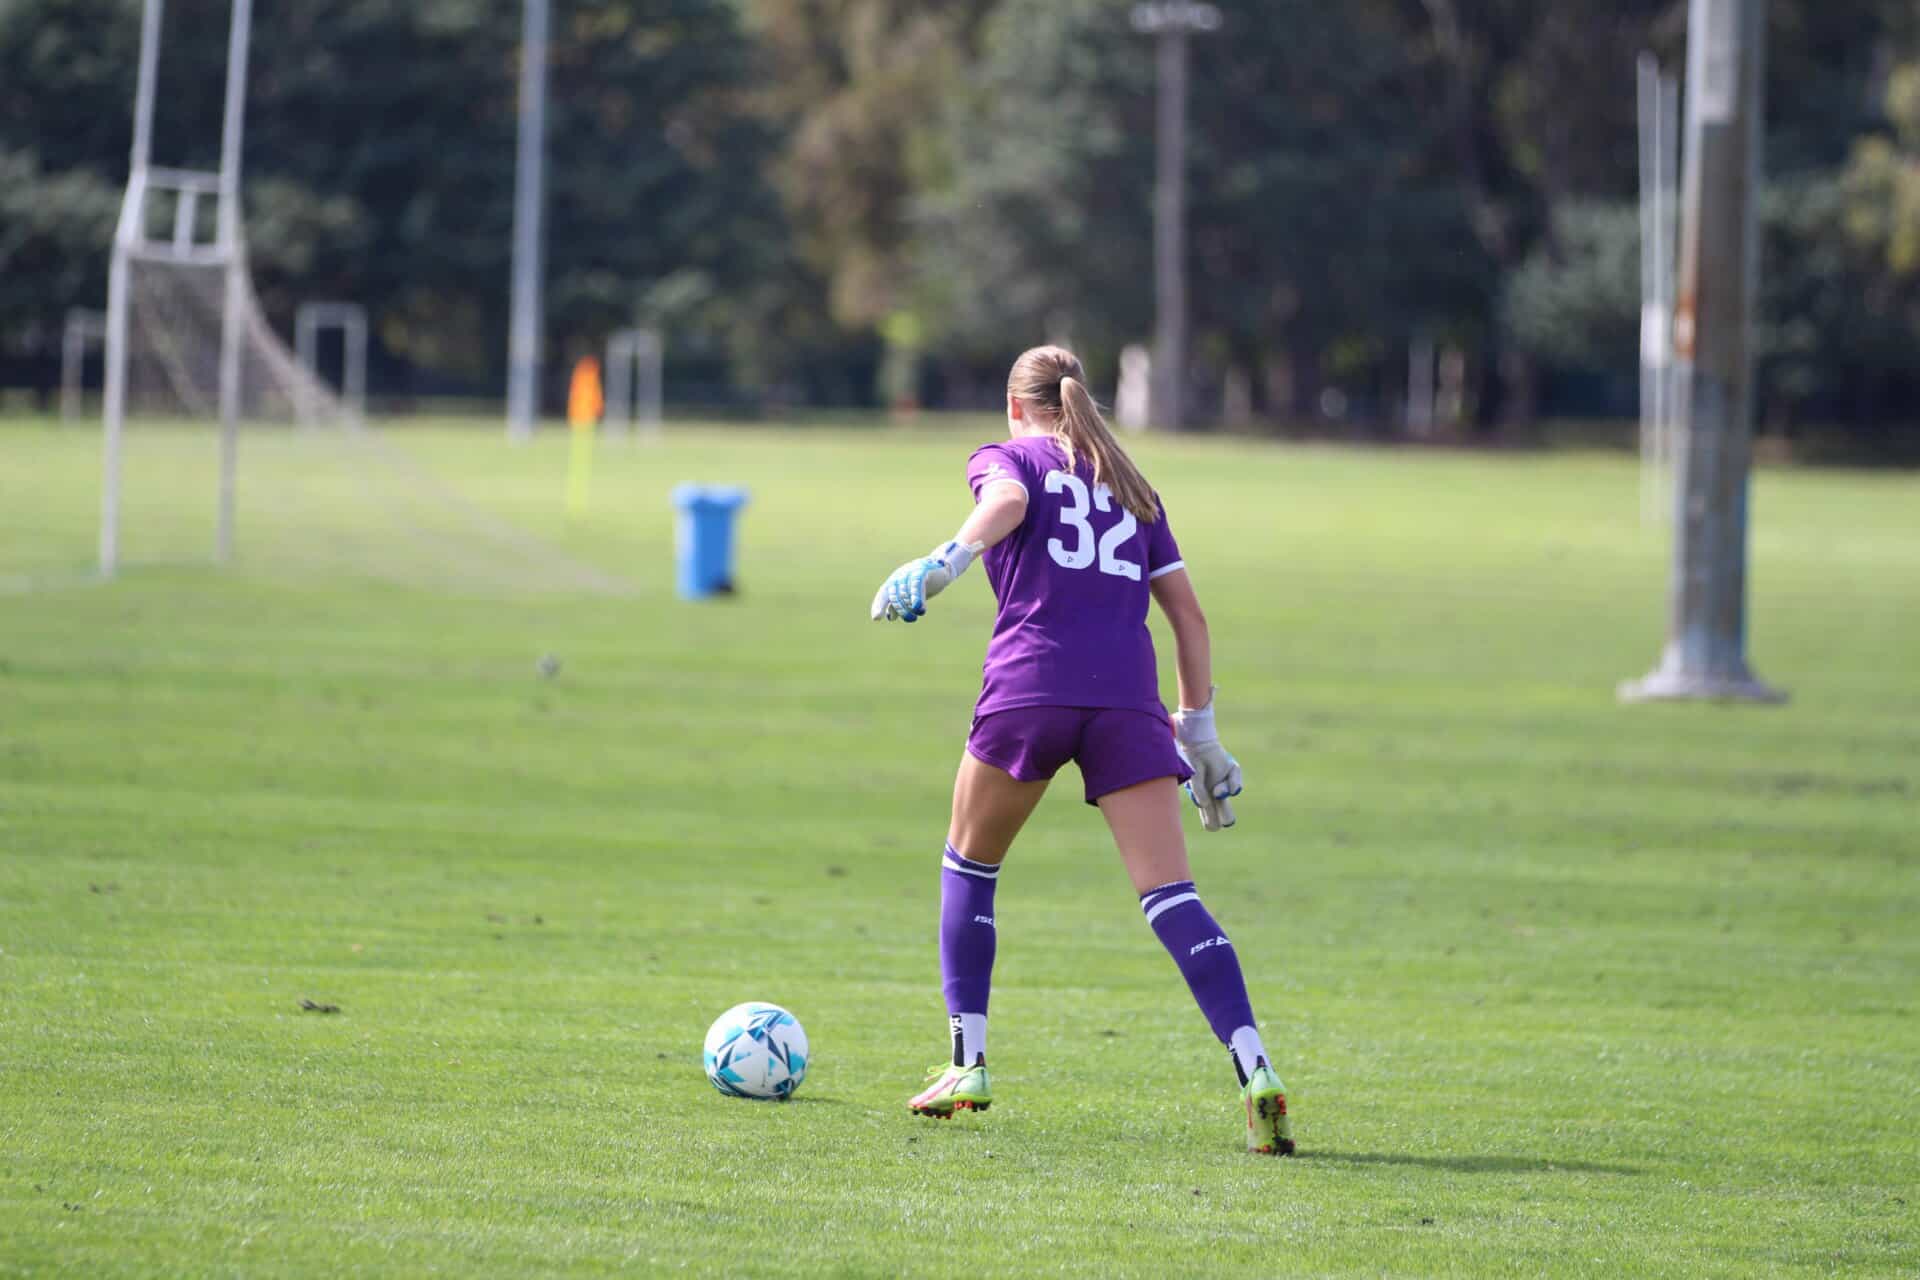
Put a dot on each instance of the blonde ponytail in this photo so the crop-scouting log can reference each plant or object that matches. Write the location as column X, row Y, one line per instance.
column 1051, row 382
column 1083, row 431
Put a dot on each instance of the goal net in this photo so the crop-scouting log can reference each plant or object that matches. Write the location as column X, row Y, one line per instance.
column 189, row 347
column 175, row 308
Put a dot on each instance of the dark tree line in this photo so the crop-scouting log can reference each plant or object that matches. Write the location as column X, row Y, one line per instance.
column 839, row 201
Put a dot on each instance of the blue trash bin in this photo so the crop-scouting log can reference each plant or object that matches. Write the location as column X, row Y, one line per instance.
column 703, row 538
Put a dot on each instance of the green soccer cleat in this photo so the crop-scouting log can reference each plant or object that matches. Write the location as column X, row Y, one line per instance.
column 1269, row 1132
column 952, row 1089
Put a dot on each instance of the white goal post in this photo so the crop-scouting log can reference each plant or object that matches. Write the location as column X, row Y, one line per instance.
column 84, row 329
column 131, row 242
column 634, row 386
column 185, row 338
column 350, row 318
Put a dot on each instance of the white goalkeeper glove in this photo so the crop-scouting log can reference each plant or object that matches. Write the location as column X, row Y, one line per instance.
column 905, row 593
column 1216, row 775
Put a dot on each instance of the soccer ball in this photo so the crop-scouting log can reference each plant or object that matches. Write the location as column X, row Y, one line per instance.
column 756, row 1050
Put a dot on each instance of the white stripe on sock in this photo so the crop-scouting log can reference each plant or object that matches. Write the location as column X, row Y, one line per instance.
column 973, row 1037
column 1160, row 908
column 949, row 862
column 1247, row 1049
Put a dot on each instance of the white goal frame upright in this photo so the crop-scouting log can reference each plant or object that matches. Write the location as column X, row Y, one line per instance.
column 634, row 381
column 226, row 250
column 350, row 318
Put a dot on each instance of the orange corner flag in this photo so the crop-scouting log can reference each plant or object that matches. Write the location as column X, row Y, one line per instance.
column 585, row 402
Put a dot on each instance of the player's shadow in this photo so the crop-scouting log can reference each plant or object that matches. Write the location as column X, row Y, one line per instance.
column 1470, row 1164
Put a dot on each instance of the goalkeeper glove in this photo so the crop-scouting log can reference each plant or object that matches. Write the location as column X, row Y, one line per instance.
column 1216, row 775
column 905, row 593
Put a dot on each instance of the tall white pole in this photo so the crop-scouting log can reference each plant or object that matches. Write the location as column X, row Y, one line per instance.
column 1667, row 188
column 529, row 192
column 113, row 408
column 1652, row 324
column 232, row 245
column 1659, row 96
column 113, row 412
column 150, row 15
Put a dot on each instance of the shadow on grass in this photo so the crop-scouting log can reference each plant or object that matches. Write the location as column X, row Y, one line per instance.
column 1469, row 1164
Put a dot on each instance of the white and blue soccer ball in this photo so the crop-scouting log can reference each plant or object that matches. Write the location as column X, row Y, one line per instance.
column 756, row 1050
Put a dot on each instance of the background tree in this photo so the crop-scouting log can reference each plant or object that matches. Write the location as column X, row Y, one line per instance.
column 793, row 187
column 66, row 75
column 379, row 163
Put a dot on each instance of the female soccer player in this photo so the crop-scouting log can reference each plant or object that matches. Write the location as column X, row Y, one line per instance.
column 1075, row 541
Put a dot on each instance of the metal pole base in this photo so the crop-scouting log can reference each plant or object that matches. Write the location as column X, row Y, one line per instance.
column 1669, row 684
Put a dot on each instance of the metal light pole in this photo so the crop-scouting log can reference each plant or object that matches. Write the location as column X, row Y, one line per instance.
column 529, row 195
column 1171, row 21
column 1713, row 370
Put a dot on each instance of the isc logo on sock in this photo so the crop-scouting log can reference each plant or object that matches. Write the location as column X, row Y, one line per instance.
column 986, row 920
column 1219, row 940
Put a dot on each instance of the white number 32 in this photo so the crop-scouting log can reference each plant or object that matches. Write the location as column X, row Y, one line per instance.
column 1074, row 516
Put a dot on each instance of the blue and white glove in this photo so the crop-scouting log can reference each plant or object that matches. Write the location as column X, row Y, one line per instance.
column 905, row 593
column 1216, row 775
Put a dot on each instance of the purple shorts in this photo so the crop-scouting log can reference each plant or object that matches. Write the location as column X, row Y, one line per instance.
column 1115, row 747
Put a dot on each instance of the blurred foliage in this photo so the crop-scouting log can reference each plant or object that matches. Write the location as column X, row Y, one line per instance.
column 1883, row 180
column 1579, row 303
column 1832, row 328
column 379, row 162
column 1039, row 217
column 781, row 183
column 856, row 83
column 53, row 229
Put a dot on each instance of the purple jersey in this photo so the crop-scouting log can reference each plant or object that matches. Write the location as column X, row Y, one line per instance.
column 1072, row 586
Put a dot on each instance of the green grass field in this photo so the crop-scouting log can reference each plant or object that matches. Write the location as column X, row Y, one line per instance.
column 1560, row 987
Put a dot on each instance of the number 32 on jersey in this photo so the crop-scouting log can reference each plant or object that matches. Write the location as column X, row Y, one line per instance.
column 1086, row 546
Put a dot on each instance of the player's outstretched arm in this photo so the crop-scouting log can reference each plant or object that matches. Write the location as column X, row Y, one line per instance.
column 904, row 595
column 1216, row 775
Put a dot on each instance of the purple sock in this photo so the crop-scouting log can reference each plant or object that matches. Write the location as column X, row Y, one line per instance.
column 1190, row 934
column 967, row 940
